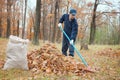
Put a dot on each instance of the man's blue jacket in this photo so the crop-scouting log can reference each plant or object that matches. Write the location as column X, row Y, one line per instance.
column 70, row 27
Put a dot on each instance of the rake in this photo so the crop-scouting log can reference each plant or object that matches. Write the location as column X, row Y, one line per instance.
column 78, row 53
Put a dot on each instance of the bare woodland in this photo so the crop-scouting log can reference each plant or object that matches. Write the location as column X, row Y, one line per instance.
column 95, row 26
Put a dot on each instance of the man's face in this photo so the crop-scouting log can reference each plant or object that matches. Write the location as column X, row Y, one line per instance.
column 72, row 16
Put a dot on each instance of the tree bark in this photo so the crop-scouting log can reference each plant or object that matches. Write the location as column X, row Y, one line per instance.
column 93, row 24
column 13, row 21
column 0, row 27
column 37, row 23
column 118, row 38
column 1, row 22
column 67, row 6
column 45, row 33
column 8, row 18
column 55, row 19
column 18, row 28
column 58, row 39
column 84, row 47
column 23, row 30
column 50, row 29
column 84, row 44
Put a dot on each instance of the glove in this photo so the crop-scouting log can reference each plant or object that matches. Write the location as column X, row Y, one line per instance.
column 71, row 42
column 59, row 25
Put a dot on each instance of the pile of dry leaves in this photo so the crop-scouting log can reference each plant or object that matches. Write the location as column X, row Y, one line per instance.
column 109, row 52
column 48, row 59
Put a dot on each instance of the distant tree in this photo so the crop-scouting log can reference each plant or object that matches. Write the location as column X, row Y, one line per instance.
column 37, row 23
column 44, row 21
column 93, row 23
column 58, row 37
column 18, row 27
column 30, row 24
column 23, row 30
column 55, row 19
column 9, row 4
column 1, row 7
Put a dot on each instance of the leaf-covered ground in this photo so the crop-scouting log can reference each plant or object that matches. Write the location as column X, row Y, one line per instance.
column 107, row 67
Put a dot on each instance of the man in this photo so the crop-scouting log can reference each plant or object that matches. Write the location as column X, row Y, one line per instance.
column 71, row 29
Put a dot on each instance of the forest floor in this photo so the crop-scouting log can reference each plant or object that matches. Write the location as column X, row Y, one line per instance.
column 99, row 57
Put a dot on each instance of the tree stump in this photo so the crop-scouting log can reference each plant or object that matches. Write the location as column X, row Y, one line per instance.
column 84, row 47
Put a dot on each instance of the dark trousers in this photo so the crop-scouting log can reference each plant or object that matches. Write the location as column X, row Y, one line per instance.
column 65, row 46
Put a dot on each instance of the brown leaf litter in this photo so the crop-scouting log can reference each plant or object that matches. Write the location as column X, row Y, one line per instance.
column 49, row 59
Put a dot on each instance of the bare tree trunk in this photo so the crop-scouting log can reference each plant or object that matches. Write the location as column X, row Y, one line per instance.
column 50, row 29
column 45, row 33
column 67, row 6
column 84, row 44
column 23, row 30
column 93, row 24
column 55, row 19
column 13, row 21
column 58, row 39
column 8, row 18
column 119, row 26
column 18, row 28
column 0, row 27
column 84, row 47
column 43, row 21
column 1, row 22
column 37, row 23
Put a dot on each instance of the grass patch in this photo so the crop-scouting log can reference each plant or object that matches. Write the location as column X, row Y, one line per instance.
column 107, row 68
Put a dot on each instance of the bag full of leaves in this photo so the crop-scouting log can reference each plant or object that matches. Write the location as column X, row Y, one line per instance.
column 16, row 54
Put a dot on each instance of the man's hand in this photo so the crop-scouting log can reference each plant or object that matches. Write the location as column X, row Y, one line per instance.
column 59, row 25
column 71, row 42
